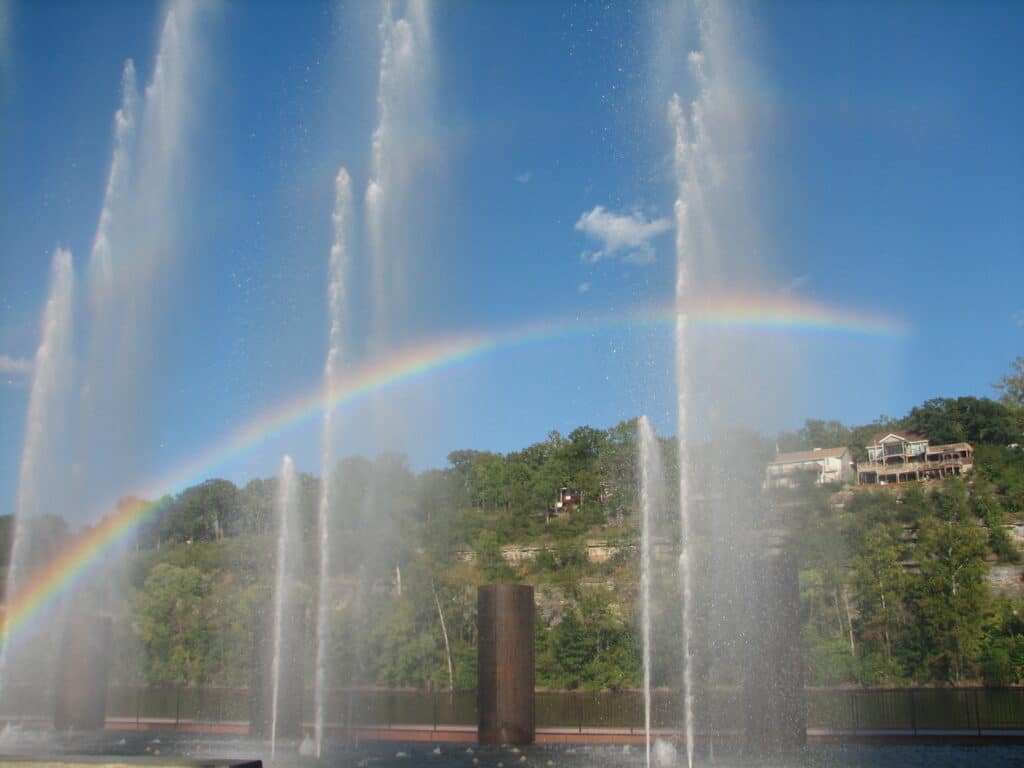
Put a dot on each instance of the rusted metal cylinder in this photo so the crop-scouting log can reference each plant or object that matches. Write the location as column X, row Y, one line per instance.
column 505, row 664
column 83, row 674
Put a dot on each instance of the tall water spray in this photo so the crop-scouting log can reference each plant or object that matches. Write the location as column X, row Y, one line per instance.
column 721, row 384
column 133, row 248
column 394, row 241
column 403, row 107
column 337, row 270
column 289, row 553
column 96, row 402
column 133, row 240
column 651, row 497
column 682, row 156
column 43, row 473
column 101, row 256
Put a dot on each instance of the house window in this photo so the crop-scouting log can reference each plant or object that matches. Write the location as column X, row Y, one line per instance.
column 894, row 448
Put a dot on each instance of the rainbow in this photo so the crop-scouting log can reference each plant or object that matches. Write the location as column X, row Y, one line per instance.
column 750, row 312
column 53, row 579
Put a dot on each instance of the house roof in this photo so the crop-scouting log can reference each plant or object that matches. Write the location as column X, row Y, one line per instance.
column 818, row 453
column 910, row 437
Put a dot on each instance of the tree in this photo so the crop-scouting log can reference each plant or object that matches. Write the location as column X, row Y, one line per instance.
column 986, row 505
column 820, row 433
column 617, row 466
column 205, row 512
column 1004, row 468
column 1012, row 385
column 951, row 590
column 229, row 611
column 172, row 624
column 489, row 557
column 964, row 419
column 880, row 583
column 583, row 452
column 826, row 602
column 817, row 433
column 480, row 475
column 572, row 648
column 1002, row 660
column 256, row 502
column 866, row 509
column 404, row 646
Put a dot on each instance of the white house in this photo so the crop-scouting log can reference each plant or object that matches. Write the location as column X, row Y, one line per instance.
column 824, row 465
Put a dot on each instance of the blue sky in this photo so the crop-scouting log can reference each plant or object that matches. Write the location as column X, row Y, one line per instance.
column 885, row 174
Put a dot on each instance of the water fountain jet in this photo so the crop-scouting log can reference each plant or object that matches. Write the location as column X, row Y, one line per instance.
column 43, row 475
column 651, row 496
column 277, row 698
column 337, row 271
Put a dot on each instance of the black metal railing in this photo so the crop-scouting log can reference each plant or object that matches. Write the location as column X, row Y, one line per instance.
column 916, row 709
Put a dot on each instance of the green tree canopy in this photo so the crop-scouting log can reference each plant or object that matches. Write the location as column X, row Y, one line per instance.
column 964, row 419
column 172, row 624
column 1011, row 385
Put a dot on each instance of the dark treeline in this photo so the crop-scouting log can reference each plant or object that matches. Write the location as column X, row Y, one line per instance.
column 894, row 582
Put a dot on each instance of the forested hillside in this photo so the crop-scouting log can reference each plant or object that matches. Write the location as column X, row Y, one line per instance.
column 894, row 582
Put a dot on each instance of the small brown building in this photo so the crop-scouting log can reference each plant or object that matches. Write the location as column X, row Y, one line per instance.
column 903, row 457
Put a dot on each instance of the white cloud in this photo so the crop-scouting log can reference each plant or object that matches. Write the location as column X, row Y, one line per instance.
column 583, row 287
column 628, row 234
column 1018, row 318
column 523, row 177
column 15, row 366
